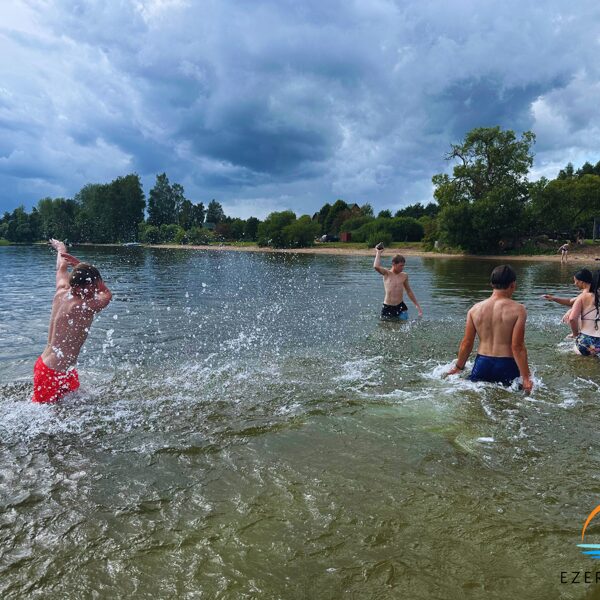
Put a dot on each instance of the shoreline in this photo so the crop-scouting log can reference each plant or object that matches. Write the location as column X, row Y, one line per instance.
column 578, row 257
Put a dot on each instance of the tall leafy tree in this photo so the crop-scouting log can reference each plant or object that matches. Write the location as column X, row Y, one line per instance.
column 484, row 201
column 198, row 215
column 161, row 202
column 214, row 213
column 251, row 229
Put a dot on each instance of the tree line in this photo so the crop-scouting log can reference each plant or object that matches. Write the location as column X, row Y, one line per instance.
column 486, row 204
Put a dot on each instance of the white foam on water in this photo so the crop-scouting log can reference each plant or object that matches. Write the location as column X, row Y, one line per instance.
column 363, row 370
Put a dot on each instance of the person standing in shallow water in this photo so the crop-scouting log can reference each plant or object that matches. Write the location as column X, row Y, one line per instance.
column 499, row 322
column 395, row 281
column 582, row 280
column 79, row 296
column 584, row 319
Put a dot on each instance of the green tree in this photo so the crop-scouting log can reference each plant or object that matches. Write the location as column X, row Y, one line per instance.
column 18, row 229
column 385, row 214
column 416, row 211
column 321, row 216
column 161, row 203
column 367, row 210
column 251, row 229
column 214, row 213
column 301, row 232
column 127, row 204
column 337, row 214
column 186, row 214
column 198, row 214
column 488, row 189
column 271, row 230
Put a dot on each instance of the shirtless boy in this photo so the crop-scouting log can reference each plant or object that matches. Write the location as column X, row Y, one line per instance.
column 395, row 281
column 78, row 297
column 499, row 322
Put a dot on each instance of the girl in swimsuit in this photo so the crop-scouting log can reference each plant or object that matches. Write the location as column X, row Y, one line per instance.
column 582, row 280
column 585, row 319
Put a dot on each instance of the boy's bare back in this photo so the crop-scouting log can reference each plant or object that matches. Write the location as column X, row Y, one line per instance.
column 494, row 320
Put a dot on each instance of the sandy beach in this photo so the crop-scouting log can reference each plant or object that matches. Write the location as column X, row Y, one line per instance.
column 586, row 254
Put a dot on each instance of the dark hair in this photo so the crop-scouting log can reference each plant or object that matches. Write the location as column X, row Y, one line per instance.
column 84, row 274
column 595, row 289
column 584, row 275
column 502, row 277
column 398, row 259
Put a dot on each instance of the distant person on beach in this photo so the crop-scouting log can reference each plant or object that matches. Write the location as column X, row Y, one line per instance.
column 582, row 280
column 564, row 252
column 395, row 282
column 499, row 322
column 585, row 318
column 79, row 296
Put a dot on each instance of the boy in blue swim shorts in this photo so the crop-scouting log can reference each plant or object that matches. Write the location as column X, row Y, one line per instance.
column 499, row 323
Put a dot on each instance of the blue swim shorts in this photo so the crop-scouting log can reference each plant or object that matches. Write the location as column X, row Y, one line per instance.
column 495, row 369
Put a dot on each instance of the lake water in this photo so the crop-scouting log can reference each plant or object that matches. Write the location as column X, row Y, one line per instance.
column 248, row 428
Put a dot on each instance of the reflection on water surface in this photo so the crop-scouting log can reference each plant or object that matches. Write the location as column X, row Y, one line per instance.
column 248, row 428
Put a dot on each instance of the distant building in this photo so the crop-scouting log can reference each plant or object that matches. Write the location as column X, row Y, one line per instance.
column 346, row 236
column 209, row 226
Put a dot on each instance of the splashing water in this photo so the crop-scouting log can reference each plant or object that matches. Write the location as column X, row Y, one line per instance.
column 246, row 426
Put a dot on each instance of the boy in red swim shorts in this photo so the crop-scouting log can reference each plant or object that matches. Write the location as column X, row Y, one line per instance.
column 79, row 296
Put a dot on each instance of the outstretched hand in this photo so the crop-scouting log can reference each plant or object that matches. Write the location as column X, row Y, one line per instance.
column 57, row 245
column 70, row 259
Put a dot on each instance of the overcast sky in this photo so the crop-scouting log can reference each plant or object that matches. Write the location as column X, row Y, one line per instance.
column 268, row 105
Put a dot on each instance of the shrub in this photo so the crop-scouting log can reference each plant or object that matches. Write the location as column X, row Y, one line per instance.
column 379, row 236
column 149, row 234
column 181, row 236
column 200, row 236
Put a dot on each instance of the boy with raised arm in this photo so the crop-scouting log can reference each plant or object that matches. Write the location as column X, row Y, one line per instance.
column 499, row 322
column 79, row 296
column 395, row 281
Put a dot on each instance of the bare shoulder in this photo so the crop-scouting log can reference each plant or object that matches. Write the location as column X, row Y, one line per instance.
column 518, row 309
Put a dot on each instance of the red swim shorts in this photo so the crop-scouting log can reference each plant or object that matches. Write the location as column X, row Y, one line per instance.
column 50, row 385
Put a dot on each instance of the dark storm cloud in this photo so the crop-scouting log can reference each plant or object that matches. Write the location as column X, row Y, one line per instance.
column 285, row 104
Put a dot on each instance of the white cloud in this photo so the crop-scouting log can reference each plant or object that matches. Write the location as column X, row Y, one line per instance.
column 281, row 104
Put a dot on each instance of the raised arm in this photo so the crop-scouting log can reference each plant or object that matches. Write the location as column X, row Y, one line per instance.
column 520, row 351
column 62, row 273
column 377, row 263
column 412, row 296
column 466, row 346
column 102, row 297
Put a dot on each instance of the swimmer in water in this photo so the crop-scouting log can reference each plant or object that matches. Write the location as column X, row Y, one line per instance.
column 395, row 281
column 79, row 296
column 585, row 319
column 499, row 322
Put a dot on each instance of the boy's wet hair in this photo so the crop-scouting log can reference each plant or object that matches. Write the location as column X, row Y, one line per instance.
column 84, row 274
column 398, row 260
column 502, row 277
